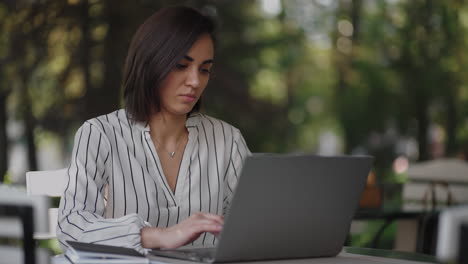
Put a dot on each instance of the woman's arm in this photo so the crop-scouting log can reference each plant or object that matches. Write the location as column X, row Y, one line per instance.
column 82, row 207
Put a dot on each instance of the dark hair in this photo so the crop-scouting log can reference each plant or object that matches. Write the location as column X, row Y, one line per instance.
column 157, row 46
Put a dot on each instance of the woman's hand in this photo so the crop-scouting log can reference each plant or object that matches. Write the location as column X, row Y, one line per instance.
column 182, row 233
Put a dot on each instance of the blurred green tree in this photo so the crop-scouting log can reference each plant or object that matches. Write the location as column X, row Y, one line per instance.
column 382, row 70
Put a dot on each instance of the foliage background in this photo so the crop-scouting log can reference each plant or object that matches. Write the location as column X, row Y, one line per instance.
column 380, row 77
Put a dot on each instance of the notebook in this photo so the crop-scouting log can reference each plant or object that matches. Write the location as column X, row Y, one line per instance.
column 79, row 253
column 286, row 206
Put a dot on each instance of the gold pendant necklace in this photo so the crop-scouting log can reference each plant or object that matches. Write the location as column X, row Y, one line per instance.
column 171, row 153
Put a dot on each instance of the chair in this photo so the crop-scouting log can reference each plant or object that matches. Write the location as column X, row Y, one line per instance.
column 36, row 219
column 16, row 221
column 432, row 186
column 52, row 184
column 452, row 240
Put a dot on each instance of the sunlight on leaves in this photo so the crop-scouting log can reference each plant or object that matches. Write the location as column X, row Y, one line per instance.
column 269, row 85
column 58, row 63
column 74, row 86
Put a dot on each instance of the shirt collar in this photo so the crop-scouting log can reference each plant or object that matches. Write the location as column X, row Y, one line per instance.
column 141, row 125
column 193, row 120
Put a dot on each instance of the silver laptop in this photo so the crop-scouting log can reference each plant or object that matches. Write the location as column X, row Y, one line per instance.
column 287, row 206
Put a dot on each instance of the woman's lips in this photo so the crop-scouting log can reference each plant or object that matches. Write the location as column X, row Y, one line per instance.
column 188, row 98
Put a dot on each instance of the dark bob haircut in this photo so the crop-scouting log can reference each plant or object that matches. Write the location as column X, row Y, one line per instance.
column 157, row 46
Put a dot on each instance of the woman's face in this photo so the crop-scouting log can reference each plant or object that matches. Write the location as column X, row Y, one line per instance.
column 184, row 85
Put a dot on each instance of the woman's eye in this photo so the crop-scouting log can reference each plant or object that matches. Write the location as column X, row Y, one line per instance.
column 207, row 71
column 181, row 66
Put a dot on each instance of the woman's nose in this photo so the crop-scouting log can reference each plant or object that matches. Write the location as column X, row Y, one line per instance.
column 193, row 78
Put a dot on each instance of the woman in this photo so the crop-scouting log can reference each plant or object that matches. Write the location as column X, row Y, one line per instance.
column 156, row 174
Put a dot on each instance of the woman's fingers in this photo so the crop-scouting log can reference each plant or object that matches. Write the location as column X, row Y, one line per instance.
column 208, row 223
column 205, row 222
column 206, row 227
column 191, row 228
column 188, row 230
column 213, row 217
column 216, row 218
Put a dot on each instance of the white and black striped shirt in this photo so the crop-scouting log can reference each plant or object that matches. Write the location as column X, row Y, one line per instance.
column 112, row 151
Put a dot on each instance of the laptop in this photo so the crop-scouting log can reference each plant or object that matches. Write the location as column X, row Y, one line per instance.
column 287, row 206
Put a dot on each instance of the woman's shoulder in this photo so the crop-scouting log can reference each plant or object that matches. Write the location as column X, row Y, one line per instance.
column 116, row 119
column 208, row 122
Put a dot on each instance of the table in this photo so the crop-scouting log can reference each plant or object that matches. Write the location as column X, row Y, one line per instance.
column 349, row 255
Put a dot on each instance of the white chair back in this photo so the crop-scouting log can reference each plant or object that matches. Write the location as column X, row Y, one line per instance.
column 47, row 183
column 50, row 183
column 436, row 184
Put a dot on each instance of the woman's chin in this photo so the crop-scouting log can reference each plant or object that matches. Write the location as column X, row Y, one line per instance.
column 178, row 110
column 182, row 110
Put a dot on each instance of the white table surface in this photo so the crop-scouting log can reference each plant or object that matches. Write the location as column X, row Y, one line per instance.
column 342, row 258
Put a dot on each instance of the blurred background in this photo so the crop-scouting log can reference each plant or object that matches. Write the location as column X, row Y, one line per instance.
column 378, row 77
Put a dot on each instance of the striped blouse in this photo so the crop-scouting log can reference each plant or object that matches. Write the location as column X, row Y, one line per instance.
column 116, row 184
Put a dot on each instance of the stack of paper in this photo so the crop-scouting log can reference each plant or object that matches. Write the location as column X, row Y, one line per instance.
column 95, row 253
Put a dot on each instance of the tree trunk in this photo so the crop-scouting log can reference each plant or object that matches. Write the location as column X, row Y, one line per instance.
column 356, row 19
column 344, row 65
column 29, row 133
column 423, row 128
column 451, row 125
column 106, row 97
column 3, row 137
column 84, row 49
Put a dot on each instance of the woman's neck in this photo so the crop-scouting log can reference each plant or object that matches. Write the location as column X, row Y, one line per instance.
column 167, row 129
